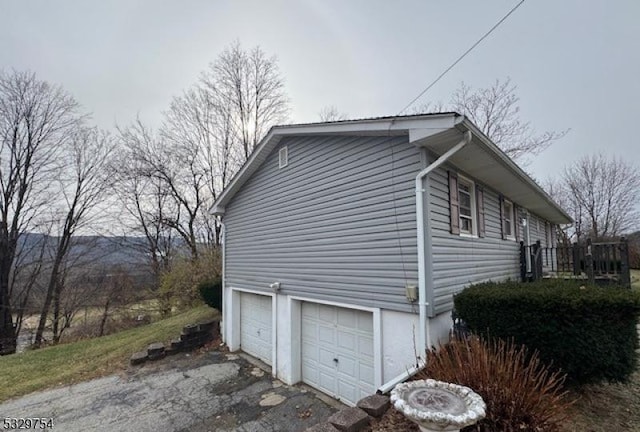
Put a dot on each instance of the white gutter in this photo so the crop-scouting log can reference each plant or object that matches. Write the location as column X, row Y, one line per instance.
column 424, row 334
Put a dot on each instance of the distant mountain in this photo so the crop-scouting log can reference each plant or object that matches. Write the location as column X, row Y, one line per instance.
column 127, row 252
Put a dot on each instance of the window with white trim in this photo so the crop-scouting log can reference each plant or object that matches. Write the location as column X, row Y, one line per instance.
column 508, row 220
column 466, row 198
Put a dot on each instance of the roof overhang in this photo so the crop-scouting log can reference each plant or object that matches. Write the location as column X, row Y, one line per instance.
column 480, row 159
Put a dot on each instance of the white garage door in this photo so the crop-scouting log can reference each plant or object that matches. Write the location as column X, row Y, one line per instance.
column 255, row 326
column 337, row 351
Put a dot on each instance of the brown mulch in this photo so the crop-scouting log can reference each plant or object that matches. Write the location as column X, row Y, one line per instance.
column 392, row 421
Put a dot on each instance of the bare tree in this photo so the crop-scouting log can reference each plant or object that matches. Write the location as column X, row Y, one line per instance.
column 194, row 125
column 170, row 178
column 116, row 286
column 330, row 113
column 496, row 112
column 557, row 189
column 83, row 183
column 246, row 89
column 177, row 170
column 603, row 193
column 36, row 120
column 145, row 199
column 211, row 130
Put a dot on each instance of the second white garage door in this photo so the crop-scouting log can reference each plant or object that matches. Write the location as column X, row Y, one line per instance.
column 255, row 326
column 337, row 351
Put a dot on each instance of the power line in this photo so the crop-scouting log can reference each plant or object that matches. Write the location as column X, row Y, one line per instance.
column 462, row 56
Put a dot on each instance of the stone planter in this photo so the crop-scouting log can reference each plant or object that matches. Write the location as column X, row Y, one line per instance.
column 438, row 406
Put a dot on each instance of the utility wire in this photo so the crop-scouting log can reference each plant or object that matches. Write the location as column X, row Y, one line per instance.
column 462, row 56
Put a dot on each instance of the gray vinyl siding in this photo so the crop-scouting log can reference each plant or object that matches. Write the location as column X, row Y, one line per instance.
column 459, row 261
column 338, row 223
column 539, row 230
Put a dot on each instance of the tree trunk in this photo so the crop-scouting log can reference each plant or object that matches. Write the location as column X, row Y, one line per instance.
column 7, row 330
column 56, row 313
column 105, row 315
column 50, row 291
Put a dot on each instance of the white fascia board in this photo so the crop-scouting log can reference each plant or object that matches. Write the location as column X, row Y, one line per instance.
column 415, row 135
column 512, row 166
column 384, row 126
column 216, row 210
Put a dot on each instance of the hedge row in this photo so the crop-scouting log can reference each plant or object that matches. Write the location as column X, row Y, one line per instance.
column 587, row 332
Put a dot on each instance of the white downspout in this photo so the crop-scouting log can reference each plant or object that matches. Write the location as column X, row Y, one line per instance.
column 223, row 329
column 424, row 334
column 420, row 218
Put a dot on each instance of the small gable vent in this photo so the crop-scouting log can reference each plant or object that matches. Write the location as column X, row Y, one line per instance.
column 283, row 157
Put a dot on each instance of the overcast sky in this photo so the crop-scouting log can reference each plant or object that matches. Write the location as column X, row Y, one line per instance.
column 576, row 63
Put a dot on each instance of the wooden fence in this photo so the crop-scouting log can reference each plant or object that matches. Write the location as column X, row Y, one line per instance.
column 596, row 262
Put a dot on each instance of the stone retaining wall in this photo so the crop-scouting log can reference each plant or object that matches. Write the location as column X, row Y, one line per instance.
column 193, row 336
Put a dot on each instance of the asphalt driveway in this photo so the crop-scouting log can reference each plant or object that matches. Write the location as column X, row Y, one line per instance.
column 212, row 391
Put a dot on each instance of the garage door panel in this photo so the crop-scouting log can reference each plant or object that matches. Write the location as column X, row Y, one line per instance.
column 326, row 334
column 365, row 373
column 346, row 340
column 326, row 357
column 326, row 313
column 347, row 318
column 365, row 346
column 347, row 366
column 347, row 391
column 365, row 323
column 255, row 326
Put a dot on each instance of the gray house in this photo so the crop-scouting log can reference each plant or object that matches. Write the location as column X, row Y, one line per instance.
column 344, row 243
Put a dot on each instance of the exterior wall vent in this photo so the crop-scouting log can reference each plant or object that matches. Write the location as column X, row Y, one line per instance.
column 283, row 157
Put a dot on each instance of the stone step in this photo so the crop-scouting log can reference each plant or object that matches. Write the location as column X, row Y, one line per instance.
column 155, row 351
column 138, row 358
column 190, row 328
column 349, row 420
column 374, row 405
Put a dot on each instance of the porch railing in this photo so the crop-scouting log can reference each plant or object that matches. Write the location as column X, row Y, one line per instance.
column 596, row 262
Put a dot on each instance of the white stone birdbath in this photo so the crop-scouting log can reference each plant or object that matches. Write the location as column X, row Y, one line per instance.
column 438, row 406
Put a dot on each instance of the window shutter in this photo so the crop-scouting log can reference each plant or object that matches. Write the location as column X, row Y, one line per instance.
column 480, row 207
column 516, row 221
column 547, row 234
column 454, row 204
column 502, row 232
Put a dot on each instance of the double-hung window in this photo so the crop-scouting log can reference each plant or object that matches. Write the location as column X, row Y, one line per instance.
column 466, row 200
column 466, row 206
column 508, row 220
column 510, row 226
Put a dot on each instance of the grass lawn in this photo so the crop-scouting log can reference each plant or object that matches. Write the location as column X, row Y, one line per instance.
column 69, row 363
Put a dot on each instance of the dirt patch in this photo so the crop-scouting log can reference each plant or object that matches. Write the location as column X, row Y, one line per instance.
column 607, row 407
column 392, row 421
